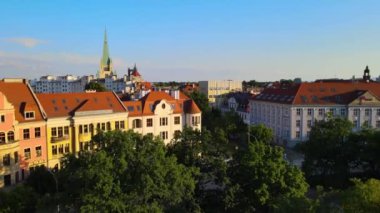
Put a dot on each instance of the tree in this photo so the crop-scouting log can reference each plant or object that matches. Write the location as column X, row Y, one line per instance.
column 260, row 132
column 362, row 197
column 328, row 153
column 201, row 100
column 19, row 199
column 259, row 176
column 95, row 86
column 41, row 181
column 127, row 172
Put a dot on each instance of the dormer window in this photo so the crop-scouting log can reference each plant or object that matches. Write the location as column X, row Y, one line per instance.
column 29, row 115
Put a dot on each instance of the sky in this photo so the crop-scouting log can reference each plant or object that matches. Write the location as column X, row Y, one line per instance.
column 192, row 40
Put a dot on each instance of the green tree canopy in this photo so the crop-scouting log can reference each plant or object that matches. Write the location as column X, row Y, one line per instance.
column 95, row 86
column 127, row 172
column 259, row 176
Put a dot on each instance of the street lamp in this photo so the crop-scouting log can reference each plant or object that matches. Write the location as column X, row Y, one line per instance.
column 56, row 186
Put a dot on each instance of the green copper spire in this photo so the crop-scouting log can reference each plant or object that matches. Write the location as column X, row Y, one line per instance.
column 106, row 60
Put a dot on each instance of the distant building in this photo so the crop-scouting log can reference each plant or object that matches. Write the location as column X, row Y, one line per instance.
column 214, row 88
column 60, row 84
column 237, row 102
column 291, row 111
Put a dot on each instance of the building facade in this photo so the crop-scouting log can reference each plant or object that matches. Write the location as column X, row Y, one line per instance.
column 238, row 102
column 162, row 114
column 215, row 88
column 292, row 111
column 60, row 84
column 22, row 131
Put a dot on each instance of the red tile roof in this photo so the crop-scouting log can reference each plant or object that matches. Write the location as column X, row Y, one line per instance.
column 66, row 104
column 21, row 96
column 319, row 93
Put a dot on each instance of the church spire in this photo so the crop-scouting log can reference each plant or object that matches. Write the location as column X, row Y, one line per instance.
column 106, row 68
column 106, row 55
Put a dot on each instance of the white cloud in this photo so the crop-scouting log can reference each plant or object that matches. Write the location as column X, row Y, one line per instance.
column 26, row 42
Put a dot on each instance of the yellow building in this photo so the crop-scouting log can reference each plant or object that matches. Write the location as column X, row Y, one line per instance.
column 73, row 118
column 215, row 88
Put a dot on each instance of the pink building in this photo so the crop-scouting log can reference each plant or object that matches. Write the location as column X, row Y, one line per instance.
column 23, row 126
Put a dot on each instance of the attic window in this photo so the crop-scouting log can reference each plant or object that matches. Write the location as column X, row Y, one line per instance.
column 138, row 108
column 131, row 108
column 29, row 115
column 64, row 101
column 163, row 106
column 78, row 100
column 53, row 101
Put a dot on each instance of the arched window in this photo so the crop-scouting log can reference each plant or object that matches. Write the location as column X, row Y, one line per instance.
column 11, row 136
column 137, row 123
column 2, row 137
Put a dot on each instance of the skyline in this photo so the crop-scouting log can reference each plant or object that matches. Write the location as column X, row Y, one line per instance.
column 192, row 40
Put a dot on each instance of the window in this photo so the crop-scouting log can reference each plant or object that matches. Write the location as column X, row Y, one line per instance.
column 149, row 122
column 26, row 133
column 136, row 123
column 321, row 112
column 122, row 125
column 378, row 112
column 29, row 115
column 85, row 128
column 7, row 180
column 377, row 124
column 298, row 134
column 15, row 154
column 108, row 126
column 103, row 126
column 38, row 151
column 163, row 121
column 60, row 149
column 117, row 125
column 164, row 135
column 298, row 123
column 356, row 124
column 177, row 133
column 195, row 120
column 332, row 111
column 27, row 153
column 54, row 132
column 177, row 120
column 66, row 130
column 2, row 137
column 37, row 132
column 60, row 131
column 356, row 112
column 366, row 124
column 54, row 150
column 81, row 146
column 80, row 129
column 309, row 111
column 309, row 123
column 367, row 112
column 7, row 160
column 67, row 148
column 298, row 111
column 2, row 118
column 343, row 112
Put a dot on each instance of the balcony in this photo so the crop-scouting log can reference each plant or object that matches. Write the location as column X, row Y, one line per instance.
column 59, row 139
column 9, row 145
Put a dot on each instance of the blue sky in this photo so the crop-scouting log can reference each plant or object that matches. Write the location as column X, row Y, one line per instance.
column 191, row 40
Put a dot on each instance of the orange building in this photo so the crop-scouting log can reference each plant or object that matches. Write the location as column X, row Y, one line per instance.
column 22, row 131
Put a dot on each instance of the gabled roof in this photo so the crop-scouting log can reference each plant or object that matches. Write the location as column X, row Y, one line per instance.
column 66, row 104
column 136, row 73
column 319, row 93
column 21, row 96
column 148, row 103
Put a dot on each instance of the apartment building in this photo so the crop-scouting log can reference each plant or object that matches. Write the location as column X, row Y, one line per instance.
column 215, row 88
column 60, row 84
column 291, row 111
column 162, row 114
column 73, row 118
column 22, row 131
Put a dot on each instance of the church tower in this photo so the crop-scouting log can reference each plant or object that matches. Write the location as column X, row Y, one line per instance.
column 366, row 76
column 106, row 67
